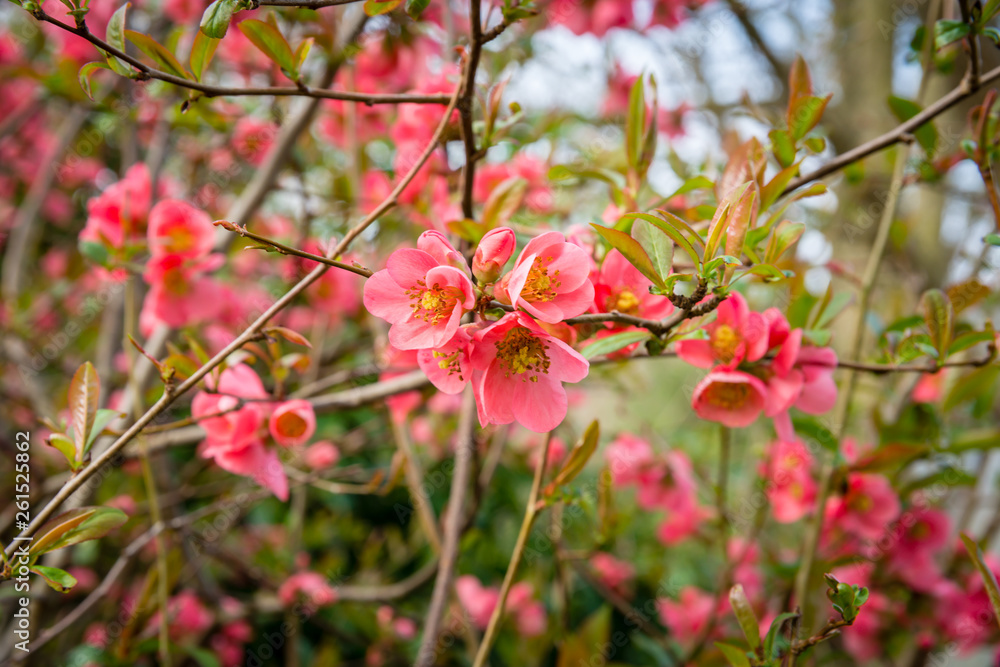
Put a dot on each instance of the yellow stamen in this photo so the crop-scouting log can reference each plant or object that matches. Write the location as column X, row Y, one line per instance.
column 520, row 353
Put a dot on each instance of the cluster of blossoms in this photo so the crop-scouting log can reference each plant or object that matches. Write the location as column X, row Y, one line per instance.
column 516, row 364
column 239, row 416
column 758, row 364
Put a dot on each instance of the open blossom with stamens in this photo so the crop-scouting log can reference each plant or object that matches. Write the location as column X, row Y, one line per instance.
column 550, row 280
column 732, row 398
column 522, row 370
column 447, row 367
column 737, row 335
column 421, row 295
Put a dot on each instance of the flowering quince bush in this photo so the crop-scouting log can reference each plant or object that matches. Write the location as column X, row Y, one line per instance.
column 425, row 332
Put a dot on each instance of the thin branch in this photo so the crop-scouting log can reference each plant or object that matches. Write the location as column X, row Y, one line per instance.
column 209, row 90
column 305, row 4
column 743, row 16
column 453, row 523
column 288, row 250
column 389, row 592
column 465, row 107
column 900, row 133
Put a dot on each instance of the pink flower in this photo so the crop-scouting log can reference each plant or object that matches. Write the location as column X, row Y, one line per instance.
column 528, row 613
column 492, row 253
column 866, row 508
column 321, row 455
column 179, row 229
column 737, row 335
column 477, row 600
column 791, row 488
column 421, row 296
column 550, row 279
column 293, row 422
column 187, row 617
column 620, row 287
column 252, row 138
column 732, row 398
column 630, row 460
column 447, row 367
column 687, row 617
column 311, row 586
column 522, row 369
column 118, row 215
column 180, row 294
column 614, row 573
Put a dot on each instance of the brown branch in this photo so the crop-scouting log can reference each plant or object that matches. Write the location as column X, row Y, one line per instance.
column 389, row 592
column 828, row 631
column 288, row 250
column 468, row 89
column 900, row 133
column 305, row 4
column 209, row 90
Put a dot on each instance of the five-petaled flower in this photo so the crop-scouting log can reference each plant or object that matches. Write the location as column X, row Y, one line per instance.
column 550, row 280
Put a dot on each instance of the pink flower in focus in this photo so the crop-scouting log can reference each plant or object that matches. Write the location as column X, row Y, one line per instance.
column 522, row 369
column 447, row 367
column 550, row 279
column 179, row 229
column 731, row 398
column 737, row 335
column 421, row 297
column 293, row 422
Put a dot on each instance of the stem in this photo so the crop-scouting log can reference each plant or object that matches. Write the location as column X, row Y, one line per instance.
column 844, row 399
column 725, row 444
column 530, row 512
column 415, row 481
column 162, row 581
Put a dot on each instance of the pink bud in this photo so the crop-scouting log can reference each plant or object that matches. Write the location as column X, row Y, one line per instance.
column 293, row 423
column 492, row 253
column 322, row 455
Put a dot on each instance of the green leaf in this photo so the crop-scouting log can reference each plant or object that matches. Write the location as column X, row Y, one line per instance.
column 84, row 393
column 949, row 477
column 989, row 579
column 503, row 202
column 948, row 31
column 66, row 446
column 201, row 53
column 734, row 655
column 720, row 222
column 805, row 113
column 742, row 217
column 632, row 251
column 86, row 72
column 745, row 616
column 976, row 383
column 692, row 184
column 799, row 83
column 992, row 239
column 810, row 428
column 774, row 630
column 983, row 439
column 772, row 191
column 784, row 236
column 939, row 318
column 635, row 123
column 414, row 8
column 158, row 53
column 783, row 147
column 970, row 339
column 302, row 52
column 101, row 420
column 95, row 252
column 578, row 457
column 613, row 343
column 217, row 17
column 578, row 646
column 272, row 43
column 673, row 227
column 115, row 36
column 904, row 110
column 656, row 243
column 377, row 7
column 75, row 526
column 989, row 11
column 57, row 579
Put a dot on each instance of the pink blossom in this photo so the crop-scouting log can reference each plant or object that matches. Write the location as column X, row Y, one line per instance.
column 423, row 298
column 187, row 617
column 866, row 508
column 180, row 293
column 687, row 617
column 614, row 573
column 118, row 215
column 528, row 613
column 478, row 601
column 732, row 398
column 178, row 228
column 311, row 586
column 630, row 460
column 293, row 422
column 929, row 388
column 447, row 367
column 737, row 335
column 252, row 139
column 321, row 455
column 550, row 279
column 621, row 287
column 493, row 251
column 791, row 489
column 522, row 369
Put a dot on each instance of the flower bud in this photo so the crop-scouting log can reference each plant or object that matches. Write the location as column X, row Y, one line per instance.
column 293, row 423
column 492, row 253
